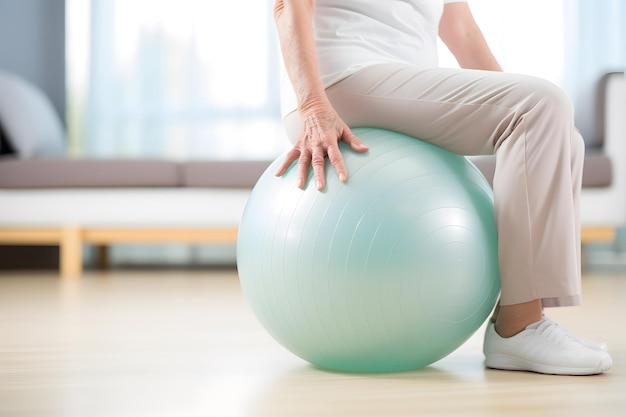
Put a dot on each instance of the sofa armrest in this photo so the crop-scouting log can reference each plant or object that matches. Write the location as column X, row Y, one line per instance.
column 615, row 124
column 607, row 206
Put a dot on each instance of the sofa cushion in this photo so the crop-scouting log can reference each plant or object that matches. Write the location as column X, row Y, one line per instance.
column 99, row 173
column 222, row 174
column 597, row 171
column 30, row 122
column 73, row 173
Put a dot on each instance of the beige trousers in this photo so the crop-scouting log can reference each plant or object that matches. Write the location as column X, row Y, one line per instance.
column 527, row 122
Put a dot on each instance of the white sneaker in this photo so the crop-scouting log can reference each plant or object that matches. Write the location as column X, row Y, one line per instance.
column 591, row 344
column 543, row 347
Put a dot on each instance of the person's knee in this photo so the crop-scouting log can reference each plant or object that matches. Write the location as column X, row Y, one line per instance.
column 549, row 99
column 551, row 114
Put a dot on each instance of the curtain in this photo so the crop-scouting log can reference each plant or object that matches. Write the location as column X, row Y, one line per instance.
column 595, row 44
column 180, row 79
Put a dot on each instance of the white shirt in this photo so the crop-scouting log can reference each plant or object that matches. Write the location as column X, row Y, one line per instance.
column 353, row 34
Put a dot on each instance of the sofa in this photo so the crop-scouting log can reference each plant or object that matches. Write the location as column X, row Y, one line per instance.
column 71, row 203
column 46, row 198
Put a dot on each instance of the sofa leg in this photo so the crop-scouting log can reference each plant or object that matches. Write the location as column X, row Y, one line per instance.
column 71, row 252
column 102, row 256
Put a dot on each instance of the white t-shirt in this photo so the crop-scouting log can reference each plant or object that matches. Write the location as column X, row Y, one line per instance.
column 352, row 34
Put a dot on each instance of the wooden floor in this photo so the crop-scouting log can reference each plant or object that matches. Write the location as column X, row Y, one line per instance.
column 184, row 343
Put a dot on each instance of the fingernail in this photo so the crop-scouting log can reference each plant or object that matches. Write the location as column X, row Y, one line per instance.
column 300, row 183
column 342, row 177
column 319, row 185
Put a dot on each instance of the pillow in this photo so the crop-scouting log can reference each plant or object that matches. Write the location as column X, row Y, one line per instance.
column 30, row 122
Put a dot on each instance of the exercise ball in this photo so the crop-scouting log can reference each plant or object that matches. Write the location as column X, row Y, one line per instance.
column 390, row 271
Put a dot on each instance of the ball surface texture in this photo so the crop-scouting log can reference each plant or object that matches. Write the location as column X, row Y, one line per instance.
column 390, row 271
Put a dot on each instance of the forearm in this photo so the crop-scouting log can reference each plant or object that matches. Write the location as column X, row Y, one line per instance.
column 294, row 23
column 475, row 54
column 463, row 37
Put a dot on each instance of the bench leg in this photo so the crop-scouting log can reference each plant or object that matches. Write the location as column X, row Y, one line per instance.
column 102, row 255
column 71, row 253
column 597, row 234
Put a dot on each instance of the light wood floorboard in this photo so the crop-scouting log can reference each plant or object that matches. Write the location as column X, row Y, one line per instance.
column 184, row 343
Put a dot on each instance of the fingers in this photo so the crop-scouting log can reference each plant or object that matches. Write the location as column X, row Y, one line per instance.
column 303, row 169
column 291, row 156
column 318, row 161
column 304, row 161
column 335, row 157
column 312, row 148
column 336, row 160
column 354, row 142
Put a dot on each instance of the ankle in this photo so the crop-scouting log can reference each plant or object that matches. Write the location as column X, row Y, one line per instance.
column 513, row 319
column 496, row 313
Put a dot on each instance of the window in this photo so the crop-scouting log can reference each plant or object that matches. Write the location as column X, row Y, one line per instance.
column 177, row 79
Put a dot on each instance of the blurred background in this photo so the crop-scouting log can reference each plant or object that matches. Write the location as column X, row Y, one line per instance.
column 196, row 79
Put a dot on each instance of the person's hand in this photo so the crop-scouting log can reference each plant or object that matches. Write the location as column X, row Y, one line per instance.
column 322, row 129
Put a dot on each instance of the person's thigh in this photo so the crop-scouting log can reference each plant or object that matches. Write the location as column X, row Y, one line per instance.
column 469, row 112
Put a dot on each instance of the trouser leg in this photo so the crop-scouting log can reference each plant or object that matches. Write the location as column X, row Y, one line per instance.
column 528, row 123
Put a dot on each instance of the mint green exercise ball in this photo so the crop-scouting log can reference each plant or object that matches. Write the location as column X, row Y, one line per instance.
column 390, row 271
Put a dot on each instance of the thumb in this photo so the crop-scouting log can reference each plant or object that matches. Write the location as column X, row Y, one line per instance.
column 354, row 142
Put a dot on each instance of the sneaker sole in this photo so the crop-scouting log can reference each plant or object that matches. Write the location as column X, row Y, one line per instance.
column 509, row 363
